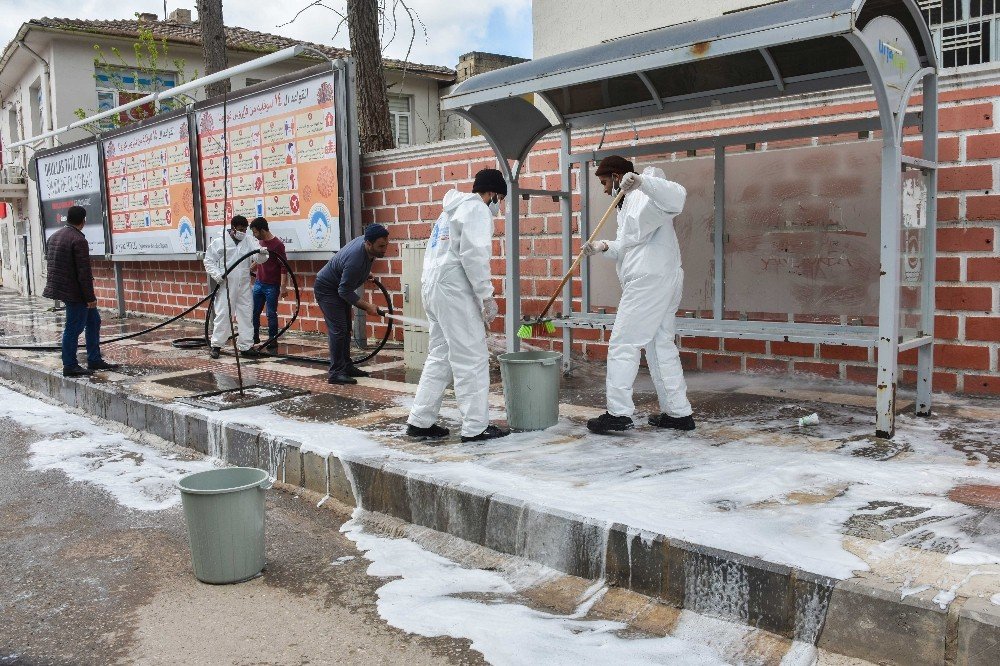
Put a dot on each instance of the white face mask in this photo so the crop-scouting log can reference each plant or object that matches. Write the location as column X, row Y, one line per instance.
column 494, row 207
column 239, row 236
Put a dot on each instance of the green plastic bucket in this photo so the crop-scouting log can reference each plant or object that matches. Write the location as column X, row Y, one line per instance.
column 224, row 509
column 531, row 388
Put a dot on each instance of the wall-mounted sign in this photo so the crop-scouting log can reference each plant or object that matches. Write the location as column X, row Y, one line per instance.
column 70, row 177
column 150, row 189
column 283, row 162
column 895, row 54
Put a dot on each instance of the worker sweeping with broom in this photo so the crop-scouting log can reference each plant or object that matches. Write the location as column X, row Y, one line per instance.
column 458, row 297
column 649, row 268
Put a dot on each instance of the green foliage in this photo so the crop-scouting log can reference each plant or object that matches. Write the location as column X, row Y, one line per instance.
column 149, row 53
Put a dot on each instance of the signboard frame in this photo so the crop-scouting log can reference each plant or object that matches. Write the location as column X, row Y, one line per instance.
column 347, row 148
column 69, row 147
column 148, row 123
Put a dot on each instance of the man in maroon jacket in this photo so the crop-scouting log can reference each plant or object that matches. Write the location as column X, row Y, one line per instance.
column 70, row 280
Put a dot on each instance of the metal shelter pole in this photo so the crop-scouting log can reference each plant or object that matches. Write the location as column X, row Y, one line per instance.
column 889, row 244
column 566, row 207
column 512, row 253
column 925, row 354
column 719, row 236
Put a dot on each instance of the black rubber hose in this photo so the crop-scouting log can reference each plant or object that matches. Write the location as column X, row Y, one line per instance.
column 143, row 331
column 197, row 343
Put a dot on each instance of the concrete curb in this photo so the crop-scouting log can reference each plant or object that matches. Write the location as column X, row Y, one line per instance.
column 856, row 617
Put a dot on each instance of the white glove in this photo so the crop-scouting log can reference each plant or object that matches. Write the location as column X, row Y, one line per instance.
column 264, row 255
column 591, row 249
column 490, row 309
column 631, row 181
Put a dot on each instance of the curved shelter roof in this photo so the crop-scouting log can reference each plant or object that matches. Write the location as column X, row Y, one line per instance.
column 786, row 48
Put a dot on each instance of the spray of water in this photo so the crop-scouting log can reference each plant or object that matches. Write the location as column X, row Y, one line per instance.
column 495, row 341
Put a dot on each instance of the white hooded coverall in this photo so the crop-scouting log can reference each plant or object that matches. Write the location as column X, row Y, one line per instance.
column 649, row 268
column 456, row 281
column 238, row 284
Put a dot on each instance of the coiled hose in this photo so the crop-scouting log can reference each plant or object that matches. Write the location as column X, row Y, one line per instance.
column 194, row 343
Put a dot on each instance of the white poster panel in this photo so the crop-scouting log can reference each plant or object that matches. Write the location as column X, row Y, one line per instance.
column 150, row 189
column 72, row 178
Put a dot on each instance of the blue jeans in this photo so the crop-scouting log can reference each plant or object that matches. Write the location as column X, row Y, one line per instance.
column 80, row 318
column 265, row 294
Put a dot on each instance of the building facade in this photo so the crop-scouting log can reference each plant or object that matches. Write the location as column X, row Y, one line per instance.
column 48, row 73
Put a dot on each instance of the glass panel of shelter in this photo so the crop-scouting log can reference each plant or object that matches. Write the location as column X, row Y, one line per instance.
column 801, row 234
column 694, row 227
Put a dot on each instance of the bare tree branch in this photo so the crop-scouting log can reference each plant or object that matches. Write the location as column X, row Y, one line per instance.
column 317, row 3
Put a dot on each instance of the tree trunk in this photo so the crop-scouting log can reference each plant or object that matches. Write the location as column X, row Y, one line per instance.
column 374, row 124
column 213, row 44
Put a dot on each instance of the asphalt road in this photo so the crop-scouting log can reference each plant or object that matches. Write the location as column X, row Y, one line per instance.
column 84, row 580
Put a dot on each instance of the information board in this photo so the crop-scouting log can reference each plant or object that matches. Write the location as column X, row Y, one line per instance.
column 150, row 189
column 283, row 162
column 68, row 178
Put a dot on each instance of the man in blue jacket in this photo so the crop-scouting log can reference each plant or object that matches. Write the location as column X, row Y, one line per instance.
column 336, row 291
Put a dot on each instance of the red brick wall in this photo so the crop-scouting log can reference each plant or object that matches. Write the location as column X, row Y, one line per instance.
column 404, row 192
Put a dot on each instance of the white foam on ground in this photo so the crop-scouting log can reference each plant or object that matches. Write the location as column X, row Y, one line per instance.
column 138, row 477
column 733, row 490
column 972, row 558
column 434, row 596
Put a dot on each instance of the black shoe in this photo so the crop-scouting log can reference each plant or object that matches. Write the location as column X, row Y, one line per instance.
column 252, row 353
column 271, row 346
column 608, row 423
column 433, row 432
column 256, row 339
column 216, row 352
column 77, row 371
column 355, row 371
column 674, row 422
column 341, row 379
column 102, row 365
column 491, row 432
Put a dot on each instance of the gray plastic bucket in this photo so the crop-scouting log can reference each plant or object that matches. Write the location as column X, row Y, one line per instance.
column 531, row 388
column 224, row 509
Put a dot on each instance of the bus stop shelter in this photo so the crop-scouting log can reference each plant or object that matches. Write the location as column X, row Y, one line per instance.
column 781, row 50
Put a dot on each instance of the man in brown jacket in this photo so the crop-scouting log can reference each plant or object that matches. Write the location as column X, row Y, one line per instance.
column 70, row 280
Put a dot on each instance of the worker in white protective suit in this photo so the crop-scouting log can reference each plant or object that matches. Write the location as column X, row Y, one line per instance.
column 649, row 268
column 458, row 297
column 224, row 252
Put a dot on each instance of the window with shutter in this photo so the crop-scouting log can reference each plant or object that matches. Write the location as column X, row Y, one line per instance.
column 399, row 112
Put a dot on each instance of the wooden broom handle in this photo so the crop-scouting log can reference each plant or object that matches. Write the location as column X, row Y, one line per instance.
column 579, row 257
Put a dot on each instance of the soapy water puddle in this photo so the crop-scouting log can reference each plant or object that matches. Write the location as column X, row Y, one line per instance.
column 138, row 477
column 433, row 596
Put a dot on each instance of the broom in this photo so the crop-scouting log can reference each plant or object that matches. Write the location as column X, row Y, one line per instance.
column 528, row 329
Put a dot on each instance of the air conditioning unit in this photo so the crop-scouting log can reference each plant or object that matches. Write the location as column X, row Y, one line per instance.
column 13, row 174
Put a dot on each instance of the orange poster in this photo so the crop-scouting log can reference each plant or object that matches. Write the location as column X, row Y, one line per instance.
column 282, row 163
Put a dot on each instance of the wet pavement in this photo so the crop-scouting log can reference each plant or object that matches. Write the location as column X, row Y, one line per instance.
column 87, row 580
column 831, row 499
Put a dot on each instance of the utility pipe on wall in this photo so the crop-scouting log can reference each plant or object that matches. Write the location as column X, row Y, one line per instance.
column 48, row 118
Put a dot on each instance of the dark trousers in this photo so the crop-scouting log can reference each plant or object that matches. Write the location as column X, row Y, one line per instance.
column 337, row 313
column 265, row 294
column 80, row 318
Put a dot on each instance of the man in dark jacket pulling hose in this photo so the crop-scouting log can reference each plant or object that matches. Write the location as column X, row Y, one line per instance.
column 336, row 291
column 71, row 281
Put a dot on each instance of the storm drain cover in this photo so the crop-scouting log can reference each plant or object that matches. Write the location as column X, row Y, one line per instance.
column 233, row 398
